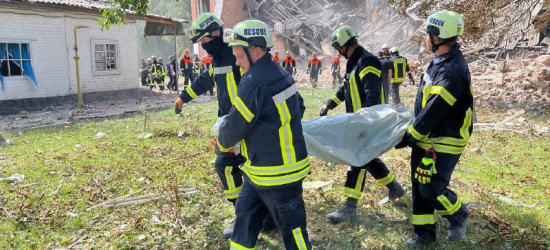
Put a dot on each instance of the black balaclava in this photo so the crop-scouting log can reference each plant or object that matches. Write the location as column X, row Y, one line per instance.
column 214, row 47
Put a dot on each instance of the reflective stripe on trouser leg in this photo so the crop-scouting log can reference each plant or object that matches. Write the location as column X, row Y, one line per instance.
column 380, row 172
column 355, row 182
column 230, row 175
column 299, row 238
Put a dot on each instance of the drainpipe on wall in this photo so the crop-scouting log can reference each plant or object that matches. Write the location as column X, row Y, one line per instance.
column 80, row 103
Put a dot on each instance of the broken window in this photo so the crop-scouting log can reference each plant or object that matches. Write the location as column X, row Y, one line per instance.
column 105, row 57
column 15, row 60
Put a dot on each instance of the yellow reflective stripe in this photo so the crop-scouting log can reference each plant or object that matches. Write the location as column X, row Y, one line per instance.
column 369, row 69
column 225, row 150
column 382, row 96
column 439, row 90
column 336, row 100
column 442, row 212
column 243, row 109
column 441, row 148
column 451, row 208
column 278, row 180
column 416, row 134
column 465, row 129
column 231, row 87
column 210, row 70
column 354, row 92
column 229, row 177
column 190, row 92
column 237, row 246
column 299, row 238
column 360, row 181
column 244, row 151
column 267, row 171
column 386, row 180
column 285, row 134
column 233, row 193
column 423, row 219
column 426, row 89
column 351, row 193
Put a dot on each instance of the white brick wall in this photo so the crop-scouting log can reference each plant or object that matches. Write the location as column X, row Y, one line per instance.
column 51, row 36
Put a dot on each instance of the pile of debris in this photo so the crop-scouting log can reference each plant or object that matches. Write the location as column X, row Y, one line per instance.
column 519, row 83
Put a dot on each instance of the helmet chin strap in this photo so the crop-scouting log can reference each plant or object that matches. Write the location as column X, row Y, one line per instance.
column 434, row 46
column 248, row 56
column 345, row 52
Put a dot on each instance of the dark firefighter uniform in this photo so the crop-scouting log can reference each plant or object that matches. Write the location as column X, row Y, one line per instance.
column 362, row 88
column 196, row 66
column 173, row 74
column 443, row 117
column 186, row 66
column 314, row 69
column 207, row 63
column 160, row 73
column 150, row 76
column 335, row 71
column 266, row 121
column 144, row 73
column 399, row 67
column 289, row 64
column 386, row 66
column 225, row 75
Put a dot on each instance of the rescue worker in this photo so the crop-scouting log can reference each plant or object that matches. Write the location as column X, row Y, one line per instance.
column 186, row 66
column 196, row 65
column 314, row 69
column 399, row 66
column 362, row 88
column 289, row 64
column 160, row 73
column 226, row 76
column 386, row 65
column 153, row 72
column 169, row 71
column 335, row 70
column 144, row 72
column 386, row 50
column 174, row 68
column 265, row 119
column 276, row 57
column 440, row 130
column 207, row 63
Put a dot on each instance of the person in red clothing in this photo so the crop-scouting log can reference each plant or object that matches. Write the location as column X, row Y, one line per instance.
column 207, row 59
column 289, row 64
column 314, row 69
column 276, row 57
column 186, row 66
column 335, row 70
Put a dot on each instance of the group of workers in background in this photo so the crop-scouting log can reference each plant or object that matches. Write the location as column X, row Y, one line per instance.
column 261, row 153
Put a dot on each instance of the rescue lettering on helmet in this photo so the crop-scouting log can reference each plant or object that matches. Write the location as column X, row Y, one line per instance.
column 437, row 22
column 255, row 32
column 206, row 22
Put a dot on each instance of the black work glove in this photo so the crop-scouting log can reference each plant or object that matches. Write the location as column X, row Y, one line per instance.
column 324, row 110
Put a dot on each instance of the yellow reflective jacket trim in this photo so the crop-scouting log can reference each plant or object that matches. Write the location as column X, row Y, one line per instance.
column 236, row 246
column 225, row 150
column 244, row 150
column 418, row 136
column 441, row 91
column 190, row 92
column 369, row 69
column 336, row 100
column 231, row 87
column 351, row 193
column 451, row 208
column 285, row 134
column 277, row 180
column 442, row 148
column 299, row 238
column 386, row 180
column 243, row 109
column 233, row 193
column 268, row 171
column 354, row 93
column 360, row 180
column 229, row 177
column 464, row 132
column 423, row 219
column 382, row 95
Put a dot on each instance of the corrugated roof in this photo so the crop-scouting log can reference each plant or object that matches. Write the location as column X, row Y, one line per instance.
column 88, row 4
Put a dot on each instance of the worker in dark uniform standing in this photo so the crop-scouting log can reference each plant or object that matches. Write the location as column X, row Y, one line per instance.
column 314, row 69
column 226, row 76
column 196, row 65
column 289, row 64
column 186, row 66
column 362, row 88
column 440, row 131
column 152, row 72
column 161, row 73
column 144, row 72
column 386, row 51
column 276, row 57
column 174, row 68
column 386, row 65
column 265, row 120
column 399, row 66
column 335, row 71
column 170, row 71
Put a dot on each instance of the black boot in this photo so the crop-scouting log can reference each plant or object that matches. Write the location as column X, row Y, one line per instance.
column 396, row 191
column 457, row 231
column 228, row 232
column 347, row 213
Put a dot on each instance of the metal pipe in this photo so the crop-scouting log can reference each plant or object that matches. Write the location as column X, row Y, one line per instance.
column 80, row 103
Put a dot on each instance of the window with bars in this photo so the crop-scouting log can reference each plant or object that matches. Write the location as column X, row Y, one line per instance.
column 105, row 57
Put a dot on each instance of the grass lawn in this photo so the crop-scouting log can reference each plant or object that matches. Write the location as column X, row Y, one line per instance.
column 87, row 171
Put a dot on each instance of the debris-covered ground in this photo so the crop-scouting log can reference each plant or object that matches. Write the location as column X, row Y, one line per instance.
column 129, row 183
